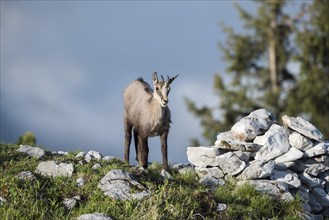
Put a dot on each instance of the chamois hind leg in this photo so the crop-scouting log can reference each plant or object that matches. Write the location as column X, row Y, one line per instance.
column 136, row 142
column 128, row 130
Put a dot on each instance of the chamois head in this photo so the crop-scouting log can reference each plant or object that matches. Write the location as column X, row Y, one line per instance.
column 162, row 88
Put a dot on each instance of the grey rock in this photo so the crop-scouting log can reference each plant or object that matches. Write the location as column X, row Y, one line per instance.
column 316, row 169
column 244, row 156
column 96, row 166
column 286, row 176
column 275, row 189
column 275, row 143
column 311, row 182
column 31, row 151
column 92, row 155
column 230, row 163
column 165, row 174
column 108, row 158
column 299, row 141
column 50, row 168
column 202, row 156
column 315, row 205
column 212, row 182
column 70, row 203
column 318, row 149
column 211, row 171
column 80, row 154
column 256, row 123
column 179, row 166
column 292, row 155
column 283, row 166
column 221, row 207
column 94, row 216
column 302, row 126
column 257, row 169
column 81, row 181
column 62, row 153
column 26, row 175
column 321, row 196
column 226, row 140
column 3, row 201
column 117, row 184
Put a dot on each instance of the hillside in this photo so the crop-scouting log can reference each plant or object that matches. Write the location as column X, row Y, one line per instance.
column 40, row 195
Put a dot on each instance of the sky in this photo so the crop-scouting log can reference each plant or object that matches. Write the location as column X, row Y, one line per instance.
column 65, row 65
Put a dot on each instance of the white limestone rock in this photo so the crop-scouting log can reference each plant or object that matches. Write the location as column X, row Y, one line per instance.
column 210, row 171
column 283, row 166
column 230, row 163
column 202, row 156
column 117, row 184
column 80, row 154
column 221, row 207
column 256, row 123
column 292, row 155
column 165, row 174
column 273, row 188
column 310, row 181
column 302, row 126
column 94, row 216
column 50, row 168
column 319, row 149
column 226, row 140
column 81, row 181
column 299, row 141
column 26, row 175
column 31, row 151
column 316, row 168
column 257, row 169
column 275, row 143
column 286, row 176
column 92, row 155
column 96, row 166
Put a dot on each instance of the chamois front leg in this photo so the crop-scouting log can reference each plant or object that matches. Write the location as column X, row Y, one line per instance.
column 143, row 151
column 164, row 149
column 136, row 142
column 128, row 129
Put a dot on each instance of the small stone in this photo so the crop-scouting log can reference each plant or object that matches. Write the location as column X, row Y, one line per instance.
column 2, row 201
column 292, row 155
column 70, row 203
column 165, row 174
column 96, row 166
column 257, row 169
column 299, row 141
column 117, row 184
column 31, row 151
column 316, row 169
column 50, row 168
column 221, row 207
column 287, row 177
column 311, row 182
column 256, row 123
column 92, row 155
column 81, row 181
column 26, row 175
column 80, row 154
column 318, row 149
column 212, row 182
column 230, row 163
column 303, row 127
column 211, row 171
column 275, row 143
column 94, row 216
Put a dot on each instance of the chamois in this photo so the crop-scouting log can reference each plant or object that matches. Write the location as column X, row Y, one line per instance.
column 146, row 114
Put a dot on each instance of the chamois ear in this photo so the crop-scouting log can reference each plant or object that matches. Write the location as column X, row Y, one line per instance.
column 172, row 79
column 155, row 77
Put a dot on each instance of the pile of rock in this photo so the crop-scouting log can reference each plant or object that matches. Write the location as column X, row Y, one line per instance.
column 279, row 160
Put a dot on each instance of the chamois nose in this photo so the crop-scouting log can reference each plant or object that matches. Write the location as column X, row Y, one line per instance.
column 165, row 101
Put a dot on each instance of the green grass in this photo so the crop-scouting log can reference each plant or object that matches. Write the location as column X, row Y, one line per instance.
column 181, row 197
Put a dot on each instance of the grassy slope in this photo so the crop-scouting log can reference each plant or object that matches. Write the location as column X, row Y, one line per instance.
column 179, row 198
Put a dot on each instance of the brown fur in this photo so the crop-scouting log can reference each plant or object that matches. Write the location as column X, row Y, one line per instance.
column 144, row 115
